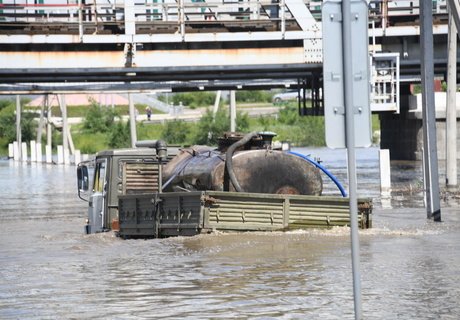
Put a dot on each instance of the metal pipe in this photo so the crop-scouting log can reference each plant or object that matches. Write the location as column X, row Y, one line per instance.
column 229, row 159
column 350, row 143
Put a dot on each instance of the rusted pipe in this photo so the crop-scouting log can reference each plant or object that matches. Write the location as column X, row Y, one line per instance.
column 229, row 156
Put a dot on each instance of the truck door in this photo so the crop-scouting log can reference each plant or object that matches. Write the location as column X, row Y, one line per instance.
column 98, row 200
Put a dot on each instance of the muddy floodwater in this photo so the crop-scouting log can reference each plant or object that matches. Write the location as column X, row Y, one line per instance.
column 49, row 269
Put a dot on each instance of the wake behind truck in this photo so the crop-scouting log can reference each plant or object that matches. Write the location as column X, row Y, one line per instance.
column 242, row 185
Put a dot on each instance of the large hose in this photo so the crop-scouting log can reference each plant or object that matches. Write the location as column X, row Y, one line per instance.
column 229, row 160
column 327, row 172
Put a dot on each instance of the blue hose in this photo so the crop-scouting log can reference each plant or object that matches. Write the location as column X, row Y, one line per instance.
column 327, row 172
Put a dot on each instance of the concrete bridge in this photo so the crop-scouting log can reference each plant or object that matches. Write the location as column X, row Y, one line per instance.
column 56, row 46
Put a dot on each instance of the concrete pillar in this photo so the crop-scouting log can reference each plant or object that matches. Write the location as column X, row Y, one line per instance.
column 48, row 154
column 33, row 151
column 451, row 107
column 65, row 127
column 60, row 154
column 39, row 152
column 24, row 152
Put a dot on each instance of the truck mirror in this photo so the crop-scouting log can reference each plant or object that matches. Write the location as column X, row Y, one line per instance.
column 82, row 180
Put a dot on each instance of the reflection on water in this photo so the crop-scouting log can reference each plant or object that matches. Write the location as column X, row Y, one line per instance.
column 50, row 269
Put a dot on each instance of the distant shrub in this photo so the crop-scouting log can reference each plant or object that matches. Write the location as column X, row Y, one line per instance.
column 176, row 132
column 119, row 135
column 98, row 119
column 253, row 96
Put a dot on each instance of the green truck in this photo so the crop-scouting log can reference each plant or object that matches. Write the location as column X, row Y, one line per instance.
column 156, row 191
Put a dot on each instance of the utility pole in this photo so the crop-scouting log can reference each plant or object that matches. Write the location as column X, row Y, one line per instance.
column 351, row 155
column 18, row 126
column 428, row 112
column 132, row 121
column 232, row 111
column 451, row 106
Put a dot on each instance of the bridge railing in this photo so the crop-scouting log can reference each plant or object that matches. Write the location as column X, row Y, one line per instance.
column 173, row 16
column 164, row 16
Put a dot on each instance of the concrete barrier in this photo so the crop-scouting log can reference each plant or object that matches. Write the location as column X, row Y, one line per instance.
column 60, row 155
column 39, row 152
column 33, row 151
column 48, row 154
column 385, row 172
column 24, row 155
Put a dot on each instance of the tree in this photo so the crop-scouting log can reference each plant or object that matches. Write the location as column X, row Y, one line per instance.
column 209, row 129
column 176, row 132
column 119, row 135
column 98, row 119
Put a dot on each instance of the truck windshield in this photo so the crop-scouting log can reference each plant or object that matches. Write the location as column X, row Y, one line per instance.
column 99, row 176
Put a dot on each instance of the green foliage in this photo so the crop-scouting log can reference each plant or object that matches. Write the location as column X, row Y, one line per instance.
column 253, row 96
column 119, row 135
column 300, row 131
column 98, row 119
column 210, row 130
column 90, row 142
column 8, row 123
column 176, row 132
column 194, row 99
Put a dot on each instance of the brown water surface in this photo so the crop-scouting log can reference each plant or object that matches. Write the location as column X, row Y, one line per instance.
column 50, row 270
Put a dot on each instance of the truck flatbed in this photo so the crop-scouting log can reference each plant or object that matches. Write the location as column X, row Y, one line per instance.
column 190, row 213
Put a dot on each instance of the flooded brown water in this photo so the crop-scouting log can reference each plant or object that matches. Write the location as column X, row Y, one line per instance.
column 50, row 270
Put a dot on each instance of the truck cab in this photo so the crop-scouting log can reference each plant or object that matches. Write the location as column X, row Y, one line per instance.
column 117, row 172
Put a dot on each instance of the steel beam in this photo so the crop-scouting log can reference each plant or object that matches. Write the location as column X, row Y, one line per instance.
column 428, row 110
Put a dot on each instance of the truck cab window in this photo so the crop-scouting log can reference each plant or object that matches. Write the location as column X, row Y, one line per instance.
column 99, row 176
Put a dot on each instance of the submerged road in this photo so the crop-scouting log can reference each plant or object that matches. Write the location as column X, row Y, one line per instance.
column 50, row 269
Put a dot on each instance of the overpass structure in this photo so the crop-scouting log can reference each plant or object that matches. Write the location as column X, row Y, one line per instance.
column 183, row 45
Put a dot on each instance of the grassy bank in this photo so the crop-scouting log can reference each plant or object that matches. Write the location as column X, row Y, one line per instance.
column 101, row 128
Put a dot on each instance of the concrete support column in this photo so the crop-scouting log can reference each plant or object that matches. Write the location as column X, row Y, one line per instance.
column 451, row 107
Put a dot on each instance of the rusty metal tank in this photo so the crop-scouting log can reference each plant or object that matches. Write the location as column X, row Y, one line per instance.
column 252, row 166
